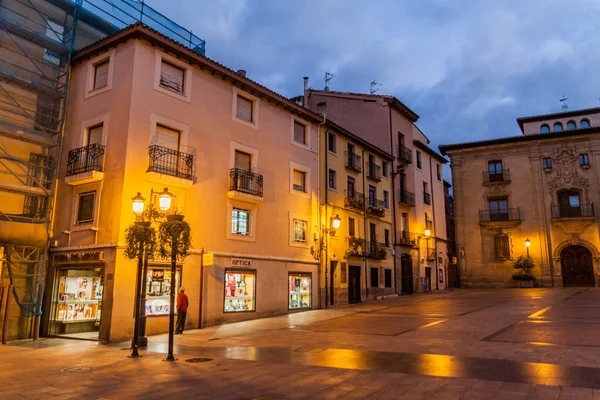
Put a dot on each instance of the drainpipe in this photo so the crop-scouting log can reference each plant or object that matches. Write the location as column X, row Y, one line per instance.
column 435, row 241
column 393, row 177
column 365, row 224
column 322, row 263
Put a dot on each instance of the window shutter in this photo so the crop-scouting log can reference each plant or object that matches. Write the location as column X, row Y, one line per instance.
column 242, row 161
column 101, row 75
column 299, row 132
column 299, row 180
column 171, row 77
column 166, row 137
column 95, row 135
column 244, row 108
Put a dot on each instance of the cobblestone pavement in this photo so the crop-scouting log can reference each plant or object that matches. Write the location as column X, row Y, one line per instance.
column 464, row 344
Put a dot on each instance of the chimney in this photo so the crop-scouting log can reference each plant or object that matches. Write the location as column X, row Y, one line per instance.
column 242, row 72
column 305, row 98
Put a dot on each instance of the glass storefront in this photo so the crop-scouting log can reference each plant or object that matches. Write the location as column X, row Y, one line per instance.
column 158, row 287
column 240, row 292
column 299, row 285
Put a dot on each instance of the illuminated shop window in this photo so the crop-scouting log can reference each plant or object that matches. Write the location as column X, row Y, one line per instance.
column 300, row 290
column 158, row 286
column 240, row 291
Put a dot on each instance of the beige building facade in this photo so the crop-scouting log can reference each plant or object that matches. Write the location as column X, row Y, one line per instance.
column 540, row 188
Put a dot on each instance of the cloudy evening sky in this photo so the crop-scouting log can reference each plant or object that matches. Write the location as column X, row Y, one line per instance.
column 467, row 67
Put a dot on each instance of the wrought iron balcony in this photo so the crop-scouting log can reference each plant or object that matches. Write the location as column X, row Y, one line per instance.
column 353, row 161
column 407, row 198
column 356, row 246
column 426, row 198
column 583, row 211
column 246, row 182
column 85, row 159
column 171, row 162
column 374, row 172
column 354, row 199
column 496, row 177
column 406, row 238
column 509, row 214
column 404, row 154
column 376, row 250
column 375, row 207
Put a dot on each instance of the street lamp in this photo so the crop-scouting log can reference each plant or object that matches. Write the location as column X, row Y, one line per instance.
column 164, row 200
column 336, row 222
column 427, row 232
column 527, row 244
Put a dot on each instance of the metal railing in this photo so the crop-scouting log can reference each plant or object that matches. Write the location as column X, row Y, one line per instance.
column 85, row 159
column 406, row 197
column 170, row 162
column 353, row 162
column 374, row 171
column 246, row 182
column 375, row 207
column 356, row 246
column 376, row 250
column 406, row 238
column 426, row 198
column 509, row 214
column 499, row 176
column 583, row 211
column 354, row 199
column 404, row 154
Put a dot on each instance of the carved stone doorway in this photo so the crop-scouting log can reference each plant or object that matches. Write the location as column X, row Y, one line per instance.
column 577, row 266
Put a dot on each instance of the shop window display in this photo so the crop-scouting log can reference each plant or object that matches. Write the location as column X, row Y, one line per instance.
column 79, row 299
column 300, row 291
column 240, row 291
column 158, row 287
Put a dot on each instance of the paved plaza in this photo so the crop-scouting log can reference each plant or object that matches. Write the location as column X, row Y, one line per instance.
column 463, row 344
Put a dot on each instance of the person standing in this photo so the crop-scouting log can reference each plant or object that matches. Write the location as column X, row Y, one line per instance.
column 182, row 306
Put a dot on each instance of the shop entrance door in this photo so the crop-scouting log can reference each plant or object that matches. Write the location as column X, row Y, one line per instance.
column 354, row 284
column 407, row 274
column 427, row 287
column 577, row 267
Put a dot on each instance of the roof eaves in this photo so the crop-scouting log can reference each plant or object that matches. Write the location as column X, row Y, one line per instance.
column 430, row 151
column 372, row 148
column 564, row 114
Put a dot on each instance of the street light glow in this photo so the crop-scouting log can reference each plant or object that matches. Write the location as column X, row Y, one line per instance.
column 336, row 222
column 427, row 232
column 138, row 203
column 164, row 200
column 527, row 242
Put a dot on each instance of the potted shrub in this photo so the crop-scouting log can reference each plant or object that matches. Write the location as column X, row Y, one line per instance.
column 523, row 275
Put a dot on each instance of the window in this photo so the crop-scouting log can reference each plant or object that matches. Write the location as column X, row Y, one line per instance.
column 331, row 143
column 374, row 277
column 584, row 160
column 240, row 221
column 101, row 74
column 240, row 291
column 545, row 128
column 385, row 169
column 300, row 133
column 351, row 227
column 372, row 195
column 547, row 163
column 158, row 287
column 495, row 171
column 343, row 272
column 94, row 135
column 85, row 207
column 501, row 246
column 55, row 32
column 167, row 137
column 386, row 199
column 571, row 125
column 243, row 161
column 300, row 231
column 351, row 187
column 498, row 209
column 557, row 127
column 300, row 286
column 245, row 108
column 388, row 277
column 419, row 160
column 299, row 181
column 585, row 123
column 386, row 237
column 172, row 77
column 438, row 170
column 332, row 179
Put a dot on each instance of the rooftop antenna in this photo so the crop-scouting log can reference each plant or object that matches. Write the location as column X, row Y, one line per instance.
column 328, row 78
column 374, row 87
column 564, row 105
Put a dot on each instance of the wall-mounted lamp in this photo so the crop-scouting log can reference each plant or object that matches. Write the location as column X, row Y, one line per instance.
column 527, row 244
column 336, row 222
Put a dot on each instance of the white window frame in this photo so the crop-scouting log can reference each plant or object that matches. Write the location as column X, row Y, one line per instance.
column 233, row 146
column 184, row 130
column 253, row 209
column 388, row 168
column 79, row 190
column 305, row 169
column 336, row 143
column 383, row 198
column 187, row 76
column 308, row 132
column 337, row 176
column 91, row 70
column 102, row 119
column 255, row 108
column 299, row 217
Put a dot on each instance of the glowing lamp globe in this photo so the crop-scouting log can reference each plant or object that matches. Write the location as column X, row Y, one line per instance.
column 138, row 203
column 164, row 200
column 336, row 222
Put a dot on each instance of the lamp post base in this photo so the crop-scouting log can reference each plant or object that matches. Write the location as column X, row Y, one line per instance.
column 170, row 358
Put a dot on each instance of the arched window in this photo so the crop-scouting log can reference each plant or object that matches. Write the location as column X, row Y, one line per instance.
column 585, row 123
column 544, row 128
column 557, row 127
column 571, row 125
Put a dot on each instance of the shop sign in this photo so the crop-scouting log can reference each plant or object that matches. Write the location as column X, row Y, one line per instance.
column 208, row 259
column 241, row 262
column 79, row 257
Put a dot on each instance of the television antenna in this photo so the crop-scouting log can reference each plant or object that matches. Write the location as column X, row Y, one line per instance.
column 328, row 78
column 563, row 101
column 374, row 87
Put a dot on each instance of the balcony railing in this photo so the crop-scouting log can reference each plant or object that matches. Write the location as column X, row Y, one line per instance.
column 374, row 172
column 375, row 207
column 246, row 182
column 404, row 154
column 407, row 198
column 356, row 246
column 85, row 159
column 406, row 238
column 510, row 214
column 496, row 177
column 430, row 253
column 426, row 198
column 171, row 162
column 583, row 211
column 353, row 161
column 354, row 199
column 376, row 250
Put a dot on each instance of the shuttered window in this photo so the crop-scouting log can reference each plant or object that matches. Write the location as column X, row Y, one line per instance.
column 172, row 77
column 167, row 137
column 101, row 74
column 94, row 135
column 244, row 108
column 85, row 207
column 501, row 247
column 299, row 132
column 299, row 181
column 243, row 161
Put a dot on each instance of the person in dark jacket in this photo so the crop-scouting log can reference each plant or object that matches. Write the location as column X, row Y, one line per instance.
column 182, row 306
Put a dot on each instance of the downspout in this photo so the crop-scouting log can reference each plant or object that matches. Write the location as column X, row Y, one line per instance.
column 393, row 176
column 320, row 212
column 365, row 226
column 435, row 243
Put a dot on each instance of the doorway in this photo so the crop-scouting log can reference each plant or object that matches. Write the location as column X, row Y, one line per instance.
column 406, row 266
column 354, row 284
column 332, row 267
column 577, row 267
column 569, row 205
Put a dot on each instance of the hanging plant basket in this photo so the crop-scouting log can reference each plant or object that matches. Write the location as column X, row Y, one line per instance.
column 136, row 233
column 174, row 234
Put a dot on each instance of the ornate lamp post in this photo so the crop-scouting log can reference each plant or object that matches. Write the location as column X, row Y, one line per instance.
column 527, row 244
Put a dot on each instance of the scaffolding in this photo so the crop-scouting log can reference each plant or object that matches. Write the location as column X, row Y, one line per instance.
column 37, row 38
